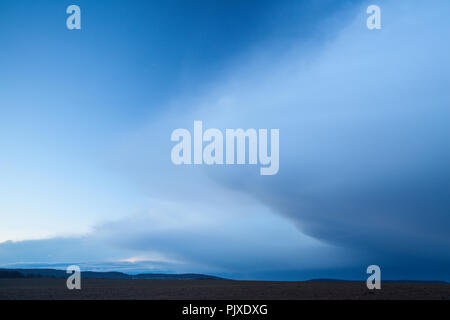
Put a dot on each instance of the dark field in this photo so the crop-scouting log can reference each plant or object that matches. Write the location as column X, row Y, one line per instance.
column 215, row 289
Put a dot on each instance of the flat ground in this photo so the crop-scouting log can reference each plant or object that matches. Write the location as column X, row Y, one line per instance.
column 215, row 289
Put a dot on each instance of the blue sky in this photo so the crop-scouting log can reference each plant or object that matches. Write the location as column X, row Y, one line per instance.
column 86, row 117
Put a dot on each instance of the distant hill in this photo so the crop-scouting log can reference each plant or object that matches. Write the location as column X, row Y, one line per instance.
column 9, row 274
column 185, row 276
column 54, row 273
column 392, row 281
column 327, row 280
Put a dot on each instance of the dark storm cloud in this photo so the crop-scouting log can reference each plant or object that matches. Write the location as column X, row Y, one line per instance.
column 364, row 162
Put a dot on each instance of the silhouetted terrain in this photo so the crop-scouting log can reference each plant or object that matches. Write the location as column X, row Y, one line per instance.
column 41, row 288
column 53, row 273
column 9, row 274
column 51, row 284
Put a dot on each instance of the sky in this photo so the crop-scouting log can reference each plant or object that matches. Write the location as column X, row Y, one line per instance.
column 86, row 118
